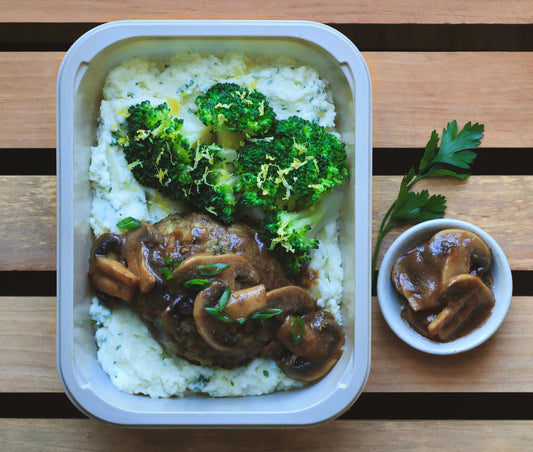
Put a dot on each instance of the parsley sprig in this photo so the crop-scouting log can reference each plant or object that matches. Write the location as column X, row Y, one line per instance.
column 453, row 158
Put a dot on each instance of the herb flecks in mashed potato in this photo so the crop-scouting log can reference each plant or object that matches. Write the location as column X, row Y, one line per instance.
column 290, row 90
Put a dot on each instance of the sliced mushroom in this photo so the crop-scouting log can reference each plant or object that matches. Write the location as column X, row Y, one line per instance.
column 136, row 248
column 291, row 300
column 238, row 275
column 464, row 294
column 245, row 302
column 417, row 281
column 107, row 244
column 315, row 352
column 113, row 278
column 421, row 274
column 236, row 341
column 214, row 331
column 457, row 252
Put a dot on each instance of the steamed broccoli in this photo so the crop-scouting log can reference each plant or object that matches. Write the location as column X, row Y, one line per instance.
column 293, row 168
column 290, row 173
column 160, row 157
column 292, row 235
column 214, row 186
column 157, row 153
column 235, row 108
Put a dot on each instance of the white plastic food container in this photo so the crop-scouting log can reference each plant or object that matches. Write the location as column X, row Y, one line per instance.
column 79, row 87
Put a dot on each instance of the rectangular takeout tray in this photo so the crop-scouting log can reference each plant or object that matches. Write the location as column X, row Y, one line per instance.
column 79, row 86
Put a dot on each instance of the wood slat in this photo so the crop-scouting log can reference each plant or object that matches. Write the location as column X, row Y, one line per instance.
column 414, row 93
column 27, row 354
column 502, row 364
column 340, row 436
column 340, row 11
column 27, row 345
column 498, row 204
column 28, row 226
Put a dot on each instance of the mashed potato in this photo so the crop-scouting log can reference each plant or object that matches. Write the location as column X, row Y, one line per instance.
column 134, row 361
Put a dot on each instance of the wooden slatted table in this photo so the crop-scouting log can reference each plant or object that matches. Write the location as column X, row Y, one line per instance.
column 482, row 398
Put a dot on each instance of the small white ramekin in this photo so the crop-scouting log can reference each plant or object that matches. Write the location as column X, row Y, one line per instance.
column 390, row 301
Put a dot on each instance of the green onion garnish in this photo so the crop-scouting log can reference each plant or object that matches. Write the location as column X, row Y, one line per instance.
column 167, row 273
column 265, row 314
column 224, row 299
column 220, row 315
column 129, row 223
column 218, row 311
column 212, row 269
column 197, row 283
column 297, row 336
column 171, row 263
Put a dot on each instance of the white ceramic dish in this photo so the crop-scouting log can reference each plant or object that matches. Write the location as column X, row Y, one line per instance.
column 390, row 300
column 79, row 86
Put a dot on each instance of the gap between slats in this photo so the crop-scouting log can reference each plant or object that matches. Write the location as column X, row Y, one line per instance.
column 22, row 37
column 369, row 406
column 386, row 161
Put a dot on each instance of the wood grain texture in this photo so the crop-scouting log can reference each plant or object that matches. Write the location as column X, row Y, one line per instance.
column 413, row 93
column 28, row 226
column 27, row 353
column 498, row 204
column 339, row 436
column 28, row 96
column 340, row 11
column 27, row 345
column 502, row 364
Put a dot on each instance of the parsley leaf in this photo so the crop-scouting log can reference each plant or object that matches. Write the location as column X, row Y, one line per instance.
column 456, row 152
column 453, row 158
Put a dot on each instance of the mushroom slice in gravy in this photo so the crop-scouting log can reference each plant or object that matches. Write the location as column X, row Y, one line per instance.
column 464, row 294
column 318, row 349
column 238, row 272
column 219, row 303
column 445, row 282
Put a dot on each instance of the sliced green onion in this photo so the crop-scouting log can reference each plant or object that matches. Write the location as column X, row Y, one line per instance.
column 224, row 299
column 220, row 315
column 171, row 263
column 167, row 273
column 212, row 269
column 266, row 314
column 297, row 336
column 197, row 283
column 129, row 223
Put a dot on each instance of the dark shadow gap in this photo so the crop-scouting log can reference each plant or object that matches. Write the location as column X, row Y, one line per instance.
column 369, row 406
column 510, row 161
column 43, row 283
column 28, row 283
column 22, row 37
column 441, row 406
column 386, row 161
column 28, row 162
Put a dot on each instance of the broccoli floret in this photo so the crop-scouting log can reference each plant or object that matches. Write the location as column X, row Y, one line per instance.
column 235, row 108
column 160, row 157
column 293, row 168
column 292, row 235
column 214, row 186
column 157, row 153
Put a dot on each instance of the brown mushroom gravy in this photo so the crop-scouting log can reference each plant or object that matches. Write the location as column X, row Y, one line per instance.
column 214, row 295
column 446, row 284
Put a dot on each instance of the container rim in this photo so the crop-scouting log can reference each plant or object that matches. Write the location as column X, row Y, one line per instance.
column 346, row 53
